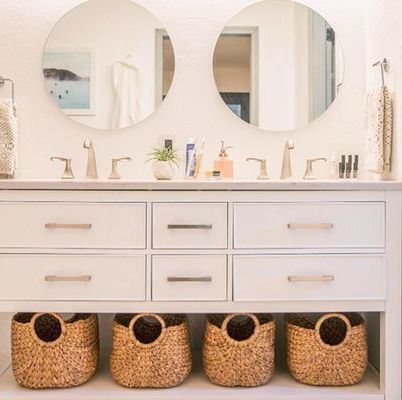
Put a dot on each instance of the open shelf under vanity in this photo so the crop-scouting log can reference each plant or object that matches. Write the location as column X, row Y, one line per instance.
column 197, row 386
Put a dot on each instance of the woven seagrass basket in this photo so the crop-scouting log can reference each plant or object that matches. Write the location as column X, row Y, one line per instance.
column 50, row 353
column 239, row 349
column 330, row 352
column 150, row 350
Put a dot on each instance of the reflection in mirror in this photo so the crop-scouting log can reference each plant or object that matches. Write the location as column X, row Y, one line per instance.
column 278, row 65
column 104, row 64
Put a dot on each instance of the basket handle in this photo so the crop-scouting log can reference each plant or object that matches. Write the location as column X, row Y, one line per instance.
column 37, row 338
column 325, row 318
column 229, row 317
column 139, row 316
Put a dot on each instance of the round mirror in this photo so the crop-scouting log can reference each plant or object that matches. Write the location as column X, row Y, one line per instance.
column 108, row 64
column 278, row 65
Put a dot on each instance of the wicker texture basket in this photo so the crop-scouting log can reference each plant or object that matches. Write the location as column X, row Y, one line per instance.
column 331, row 352
column 48, row 352
column 239, row 349
column 150, row 350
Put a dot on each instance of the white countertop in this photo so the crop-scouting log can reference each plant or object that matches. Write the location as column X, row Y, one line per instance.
column 200, row 184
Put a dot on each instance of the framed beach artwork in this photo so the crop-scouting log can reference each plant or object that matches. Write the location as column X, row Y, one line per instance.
column 70, row 79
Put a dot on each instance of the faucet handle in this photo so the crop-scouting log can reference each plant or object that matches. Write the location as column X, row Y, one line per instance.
column 115, row 162
column 263, row 167
column 309, row 174
column 68, row 172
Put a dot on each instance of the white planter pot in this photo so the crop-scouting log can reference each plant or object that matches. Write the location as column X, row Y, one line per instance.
column 162, row 170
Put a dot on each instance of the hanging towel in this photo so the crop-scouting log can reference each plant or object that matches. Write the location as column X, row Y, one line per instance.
column 379, row 126
column 8, row 138
column 125, row 110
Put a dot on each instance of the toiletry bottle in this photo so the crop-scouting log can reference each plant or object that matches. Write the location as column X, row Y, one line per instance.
column 190, row 158
column 223, row 164
column 334, row 167
column 356, row 167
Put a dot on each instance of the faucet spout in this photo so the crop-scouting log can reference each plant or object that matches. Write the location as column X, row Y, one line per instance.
column 92, row 172
column 286, row 172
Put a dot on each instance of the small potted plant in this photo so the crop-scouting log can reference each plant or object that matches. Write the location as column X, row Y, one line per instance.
column 164, row 161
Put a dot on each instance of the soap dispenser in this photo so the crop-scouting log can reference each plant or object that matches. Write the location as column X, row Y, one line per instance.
column 223, row 164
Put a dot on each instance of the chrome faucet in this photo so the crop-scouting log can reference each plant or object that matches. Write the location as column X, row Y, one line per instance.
column 92, row 172
column 286, row 172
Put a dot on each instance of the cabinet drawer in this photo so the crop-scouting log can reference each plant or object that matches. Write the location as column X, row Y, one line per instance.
column 261, row 278
column 72, row 277
column 309, row 225
column 73, row 225
column 189, row 278
column 189, row 226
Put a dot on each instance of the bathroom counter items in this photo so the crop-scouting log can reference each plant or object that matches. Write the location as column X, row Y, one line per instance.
column 201, row 184
column 208, row 247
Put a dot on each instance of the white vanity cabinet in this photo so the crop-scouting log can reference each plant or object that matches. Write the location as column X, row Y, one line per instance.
column 314, row 225
column 202, row 248
column 73, row 225
column 71, row 277
column 308, row 277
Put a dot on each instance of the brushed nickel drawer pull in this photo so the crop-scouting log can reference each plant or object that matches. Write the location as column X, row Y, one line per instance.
column 311, row 226
column 68, row 226
column 206, row 227
column 318, row 278
column 189, row 279
column 56, row 278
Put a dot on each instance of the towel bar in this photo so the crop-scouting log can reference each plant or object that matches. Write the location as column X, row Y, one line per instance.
column 2, row 83
column 384, row 68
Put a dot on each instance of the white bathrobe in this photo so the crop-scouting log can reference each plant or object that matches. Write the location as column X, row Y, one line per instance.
column 126, row 108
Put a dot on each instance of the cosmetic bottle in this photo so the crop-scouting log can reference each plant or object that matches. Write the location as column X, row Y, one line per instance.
column 223, row 164
column 356, row 167
column 349, row 166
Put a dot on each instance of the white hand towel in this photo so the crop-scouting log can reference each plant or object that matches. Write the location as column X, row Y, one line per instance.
column 379, row 125
column 8, row 138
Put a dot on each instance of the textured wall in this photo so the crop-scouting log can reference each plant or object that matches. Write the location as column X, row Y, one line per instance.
column 384, row 39
column 193, row 106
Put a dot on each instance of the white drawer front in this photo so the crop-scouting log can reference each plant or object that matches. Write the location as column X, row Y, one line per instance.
column 72, row 277
column 309, row 225
column 73, row 225
column 260, row 278
column 190, row 226
column 189, row 278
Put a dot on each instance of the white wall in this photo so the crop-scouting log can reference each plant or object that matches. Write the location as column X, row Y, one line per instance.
column 107, row 28
column 384, row 39
column 193, row 106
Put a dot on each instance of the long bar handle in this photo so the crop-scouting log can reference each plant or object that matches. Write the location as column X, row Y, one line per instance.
column 57, row 278
column 318, row 278
column 67, row 226
column 183, row 226
column 189, row 279
column 311, row 226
